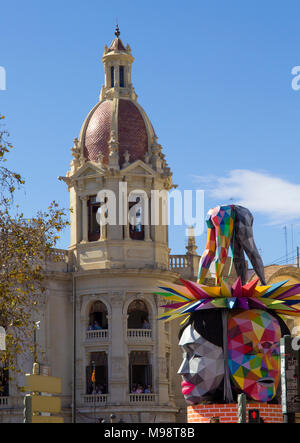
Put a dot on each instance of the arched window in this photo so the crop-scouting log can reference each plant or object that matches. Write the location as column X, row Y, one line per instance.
column 97, row 374
column 4, row 382
column 121, row 72
column 136, row 229
column 138, row 315
column 93, row 225
column 112, row 76
column 140, row 372
column 98, row 316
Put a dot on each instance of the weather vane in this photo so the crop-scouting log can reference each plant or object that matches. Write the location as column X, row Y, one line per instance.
column 117, row 31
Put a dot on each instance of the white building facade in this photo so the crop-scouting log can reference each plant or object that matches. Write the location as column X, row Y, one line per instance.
column 98, row 324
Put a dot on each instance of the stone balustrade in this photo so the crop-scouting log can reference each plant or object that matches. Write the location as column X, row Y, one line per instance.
column 178, row 262
column 58, row 255
column 4, row 402
column 101, row 334
column 95, row 399
column 139, row 334
column 142, row 398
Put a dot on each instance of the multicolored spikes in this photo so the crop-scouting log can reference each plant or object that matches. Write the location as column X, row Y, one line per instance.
column 194, row 297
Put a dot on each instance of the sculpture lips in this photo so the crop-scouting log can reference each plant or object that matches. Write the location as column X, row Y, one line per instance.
column 187, row 387
column 266, row 381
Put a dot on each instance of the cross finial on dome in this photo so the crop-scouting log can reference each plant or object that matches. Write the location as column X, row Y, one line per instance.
column 117, row 31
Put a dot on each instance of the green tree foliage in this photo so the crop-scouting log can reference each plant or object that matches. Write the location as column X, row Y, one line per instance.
column 25, row 246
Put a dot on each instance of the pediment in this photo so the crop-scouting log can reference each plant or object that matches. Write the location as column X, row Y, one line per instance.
column 138, row 168
column 88, row 169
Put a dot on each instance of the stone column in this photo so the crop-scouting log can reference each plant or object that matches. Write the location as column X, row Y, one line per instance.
column 147, row 226
column 116, row 76
column 118, row 350
column 147, row 233
column 78, row 210
column 126, row 231
column 103, row 227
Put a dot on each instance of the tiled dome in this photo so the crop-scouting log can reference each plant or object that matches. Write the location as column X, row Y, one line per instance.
column 132, row 132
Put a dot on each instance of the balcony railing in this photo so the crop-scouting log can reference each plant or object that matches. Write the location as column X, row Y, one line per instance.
column 3, row 402
column 101, row 334
column 95, row 399
column 139, row 334
column 59, row 255
column 142, row 398
column 178, row 262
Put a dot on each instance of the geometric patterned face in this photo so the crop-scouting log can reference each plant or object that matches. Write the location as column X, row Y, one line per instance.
column 254, row 353
column 202, row 369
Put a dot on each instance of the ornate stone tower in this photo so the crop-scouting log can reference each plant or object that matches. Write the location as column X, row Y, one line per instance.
column 117, row 151
column 119, row 261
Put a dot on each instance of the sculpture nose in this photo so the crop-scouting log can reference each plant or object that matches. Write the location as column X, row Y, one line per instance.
column 184, row 368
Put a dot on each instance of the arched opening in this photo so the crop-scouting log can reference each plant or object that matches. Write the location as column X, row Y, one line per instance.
column 112, row 76
column 4, row 382
column 98, row 316
column 140, row 373
column 136, row 228
column 97, row 374
column 93, row 225
column 121, row 80
column 138, row 315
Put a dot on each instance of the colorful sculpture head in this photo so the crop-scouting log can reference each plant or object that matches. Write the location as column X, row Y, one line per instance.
column 232, row 337
column 231, row 341
column 202, row 368
column 254, row 353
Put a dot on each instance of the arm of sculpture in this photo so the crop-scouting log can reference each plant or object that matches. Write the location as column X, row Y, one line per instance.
column 244, row 236
column 208, row 255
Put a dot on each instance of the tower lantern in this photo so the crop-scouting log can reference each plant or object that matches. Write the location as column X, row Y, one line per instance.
column 117, row 60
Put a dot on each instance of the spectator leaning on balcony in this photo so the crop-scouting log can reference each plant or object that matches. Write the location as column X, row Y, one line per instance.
column 140, row 389
column 146, row 324
column 147, row 390
column 96, row 326
column 99, row 389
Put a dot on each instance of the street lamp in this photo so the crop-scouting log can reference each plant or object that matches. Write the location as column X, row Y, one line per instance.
column 112, row 417
column 36, row 326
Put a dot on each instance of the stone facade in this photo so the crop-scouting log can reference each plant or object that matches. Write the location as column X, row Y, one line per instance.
column 109, row 271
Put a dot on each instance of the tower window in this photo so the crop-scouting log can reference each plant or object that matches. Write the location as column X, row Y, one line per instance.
column 137, row 230
column 112, row 76
column 121, row 76
column 94, row 228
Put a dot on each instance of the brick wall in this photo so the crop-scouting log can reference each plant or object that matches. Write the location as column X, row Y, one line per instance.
column 227, row 413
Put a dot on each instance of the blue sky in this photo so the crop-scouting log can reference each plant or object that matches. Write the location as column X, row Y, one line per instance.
column 214, row 78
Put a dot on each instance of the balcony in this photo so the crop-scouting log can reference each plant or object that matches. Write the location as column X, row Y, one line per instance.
column 178, row 262
column 142, row 398
column 95, row 399
column 98, row 334
column 139, row 334
column 4, row 402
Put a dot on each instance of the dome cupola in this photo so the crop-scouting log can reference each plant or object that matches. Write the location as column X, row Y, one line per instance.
column 117, row 131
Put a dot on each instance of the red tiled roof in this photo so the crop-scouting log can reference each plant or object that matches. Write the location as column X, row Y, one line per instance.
column 117, row 45
column 132, row 132
column 98, row 132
